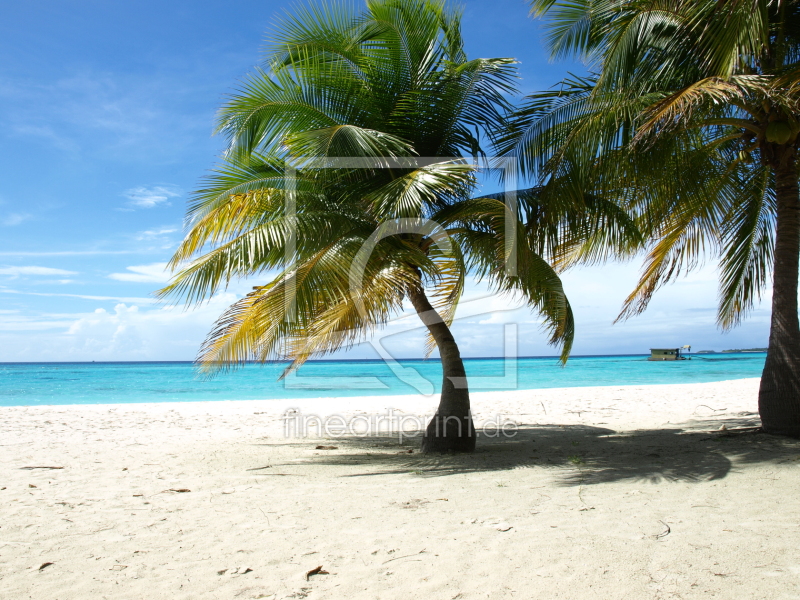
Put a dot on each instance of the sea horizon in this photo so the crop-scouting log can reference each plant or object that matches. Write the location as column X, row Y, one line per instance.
column 375, row 360
column 126, row 382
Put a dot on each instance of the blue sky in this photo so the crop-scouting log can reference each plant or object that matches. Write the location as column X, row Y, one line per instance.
column 107, row 110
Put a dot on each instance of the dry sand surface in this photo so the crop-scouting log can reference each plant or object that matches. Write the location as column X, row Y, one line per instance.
column 603, row 493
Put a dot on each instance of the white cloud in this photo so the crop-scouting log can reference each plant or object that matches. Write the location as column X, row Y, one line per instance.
column 120, row 116
column 66, row 252
column 156, row 233
column 12, row 219
column 124, row 332
column 143, row 197
column 10, row 321
column 683, row 313
column 154, row 273
column 83, row 296
column 48, row 134
column 17, row 271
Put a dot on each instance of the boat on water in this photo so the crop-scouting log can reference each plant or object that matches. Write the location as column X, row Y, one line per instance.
column 659, row 354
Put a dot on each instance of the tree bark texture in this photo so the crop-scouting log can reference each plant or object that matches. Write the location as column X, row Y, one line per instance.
column 451, row 429
column 779, row 394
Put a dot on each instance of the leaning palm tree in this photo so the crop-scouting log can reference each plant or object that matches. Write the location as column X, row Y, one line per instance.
column 349, row 185
column 689, row 122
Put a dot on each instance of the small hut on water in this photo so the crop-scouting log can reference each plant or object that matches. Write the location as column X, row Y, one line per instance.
column 669, row 353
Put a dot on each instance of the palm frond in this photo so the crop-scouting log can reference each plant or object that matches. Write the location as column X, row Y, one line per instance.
column 748, row 235
column 320, row 165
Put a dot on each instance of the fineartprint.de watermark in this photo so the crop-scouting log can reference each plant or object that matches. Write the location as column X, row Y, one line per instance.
column 392, row 423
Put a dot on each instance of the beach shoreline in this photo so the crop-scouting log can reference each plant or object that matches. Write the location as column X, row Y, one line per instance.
column 416, row 400
column 615, row 491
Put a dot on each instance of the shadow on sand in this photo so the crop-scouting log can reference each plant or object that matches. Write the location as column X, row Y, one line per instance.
column 582, row 455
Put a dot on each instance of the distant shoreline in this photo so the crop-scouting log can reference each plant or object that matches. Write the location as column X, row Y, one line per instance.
column 364, row 360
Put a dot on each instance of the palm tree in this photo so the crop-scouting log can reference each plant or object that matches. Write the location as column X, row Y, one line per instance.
column 348, row 185
column 689, row 122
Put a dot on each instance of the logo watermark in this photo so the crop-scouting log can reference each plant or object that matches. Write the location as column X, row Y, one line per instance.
column 392, row 423
column 439, row 238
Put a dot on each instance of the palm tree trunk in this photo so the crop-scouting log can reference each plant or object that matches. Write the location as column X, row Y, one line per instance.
column 451, row 429
column 779, row 394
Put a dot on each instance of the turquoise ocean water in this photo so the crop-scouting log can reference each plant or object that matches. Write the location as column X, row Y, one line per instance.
column 28, row 384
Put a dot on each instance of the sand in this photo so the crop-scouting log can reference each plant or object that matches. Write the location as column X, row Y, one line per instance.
column 608, row 492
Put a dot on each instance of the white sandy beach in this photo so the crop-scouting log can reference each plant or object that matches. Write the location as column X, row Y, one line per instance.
column 607, row 492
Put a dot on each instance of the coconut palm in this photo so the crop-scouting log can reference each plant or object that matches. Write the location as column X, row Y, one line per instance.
column 688, row 121
column 348, row 185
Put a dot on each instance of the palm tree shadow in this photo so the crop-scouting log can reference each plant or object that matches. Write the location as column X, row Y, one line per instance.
column 580, row 454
